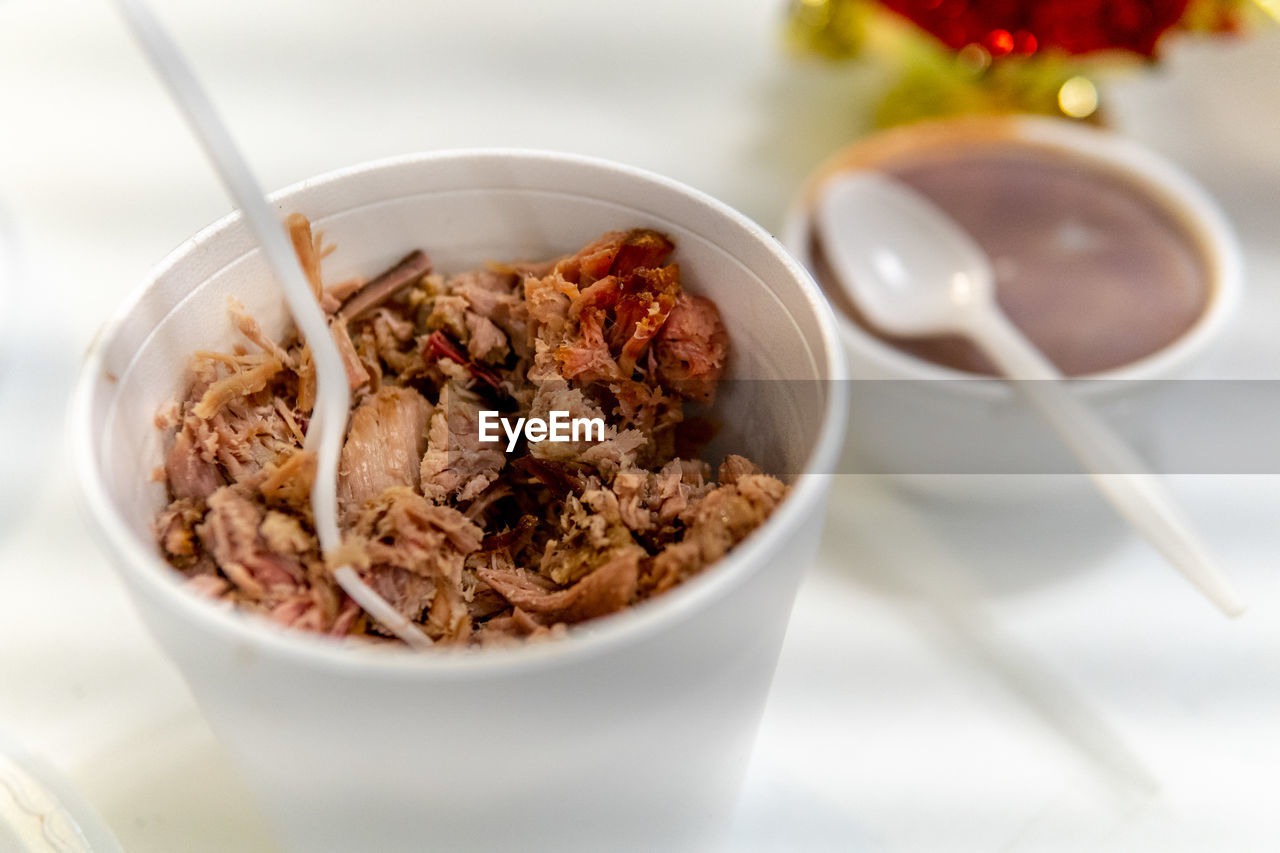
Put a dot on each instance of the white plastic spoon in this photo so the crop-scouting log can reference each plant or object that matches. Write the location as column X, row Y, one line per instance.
column 333, row 398
column 913, row 271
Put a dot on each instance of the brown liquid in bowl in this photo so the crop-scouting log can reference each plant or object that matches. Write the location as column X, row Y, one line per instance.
column 1088, row 265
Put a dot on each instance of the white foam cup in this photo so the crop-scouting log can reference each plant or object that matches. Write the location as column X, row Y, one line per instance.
column 631, row 733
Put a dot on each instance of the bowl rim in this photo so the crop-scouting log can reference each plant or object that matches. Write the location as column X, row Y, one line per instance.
column 1166, row 183
column 146, row 573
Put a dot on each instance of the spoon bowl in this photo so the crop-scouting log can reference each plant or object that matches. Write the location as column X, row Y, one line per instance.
column 909, row 268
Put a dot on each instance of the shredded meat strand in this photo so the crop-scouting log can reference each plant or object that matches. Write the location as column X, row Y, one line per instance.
column 238, row 384
column 411, row 267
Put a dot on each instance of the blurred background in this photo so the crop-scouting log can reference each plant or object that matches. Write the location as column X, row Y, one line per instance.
column 954, row 680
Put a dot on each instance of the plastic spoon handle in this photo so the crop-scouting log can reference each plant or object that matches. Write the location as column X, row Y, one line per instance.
column 1119, row 473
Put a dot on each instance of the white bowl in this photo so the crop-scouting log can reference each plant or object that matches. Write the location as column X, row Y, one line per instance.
column 951, row 433
column 633, row 732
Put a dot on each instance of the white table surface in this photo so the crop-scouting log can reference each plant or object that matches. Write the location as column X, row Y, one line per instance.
column 954, row 679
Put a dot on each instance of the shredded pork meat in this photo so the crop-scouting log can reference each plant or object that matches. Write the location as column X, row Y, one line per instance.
column 477, row 545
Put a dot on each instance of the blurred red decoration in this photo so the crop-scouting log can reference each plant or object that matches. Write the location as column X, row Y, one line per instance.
column 1004, row 27
column 957, row 57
